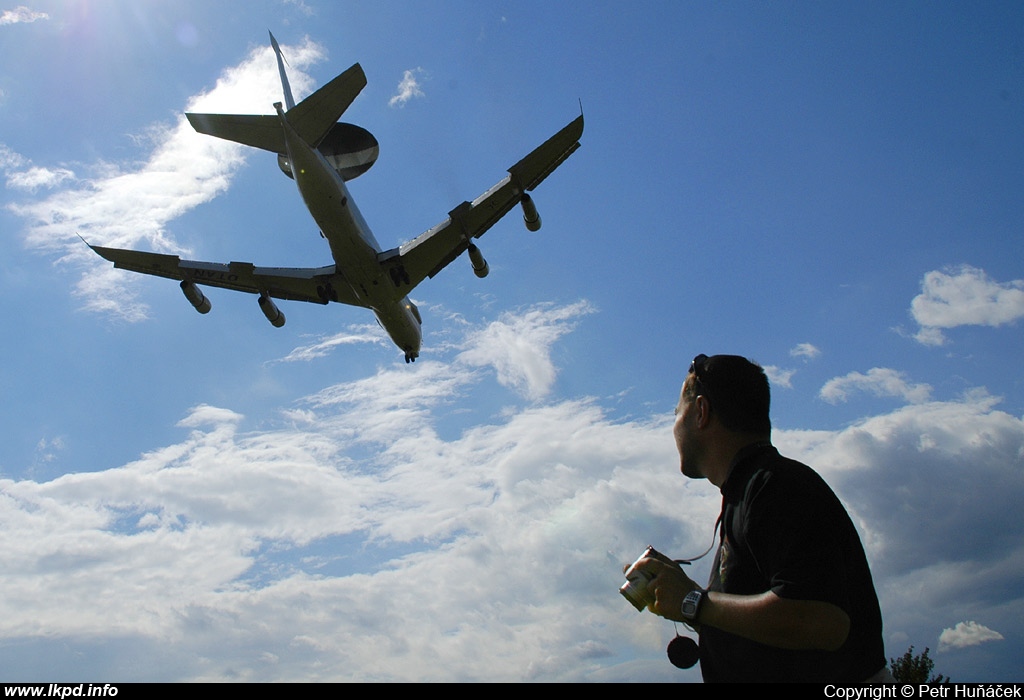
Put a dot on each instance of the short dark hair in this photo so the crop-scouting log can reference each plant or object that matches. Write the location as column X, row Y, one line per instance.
column 737, row 390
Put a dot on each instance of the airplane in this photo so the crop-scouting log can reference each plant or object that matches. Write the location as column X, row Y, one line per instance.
column 321, row 154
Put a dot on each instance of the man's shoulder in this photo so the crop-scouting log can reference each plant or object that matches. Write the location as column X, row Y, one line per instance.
column 769, row 476
column 772, row 466
column 767, row 464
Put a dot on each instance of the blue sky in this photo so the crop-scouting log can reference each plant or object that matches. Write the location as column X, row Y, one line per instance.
column 832, row 189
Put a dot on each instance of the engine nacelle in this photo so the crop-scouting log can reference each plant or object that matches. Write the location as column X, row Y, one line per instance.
column 270, row 310
column 530, row 216
column 480, row 267
column 196, row 297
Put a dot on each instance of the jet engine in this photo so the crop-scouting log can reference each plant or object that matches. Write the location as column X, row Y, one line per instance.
column 350, row 150
column 270, row 310
column 480, row 267
column 530, row 216
column 196, row 297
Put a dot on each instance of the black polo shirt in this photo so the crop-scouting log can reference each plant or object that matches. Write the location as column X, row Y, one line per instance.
column 784, row 530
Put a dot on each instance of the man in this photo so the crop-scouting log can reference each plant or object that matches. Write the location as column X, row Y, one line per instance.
column 790, row 597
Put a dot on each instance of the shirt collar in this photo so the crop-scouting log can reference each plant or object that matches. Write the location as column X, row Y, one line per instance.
column 744, row 458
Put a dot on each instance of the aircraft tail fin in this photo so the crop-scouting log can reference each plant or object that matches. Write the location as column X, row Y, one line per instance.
column 289, row 101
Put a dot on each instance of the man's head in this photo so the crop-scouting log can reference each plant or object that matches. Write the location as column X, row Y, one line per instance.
column 724, row 402
column 737, row 390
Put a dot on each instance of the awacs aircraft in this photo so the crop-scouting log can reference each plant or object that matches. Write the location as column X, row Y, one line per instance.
column 321, row 154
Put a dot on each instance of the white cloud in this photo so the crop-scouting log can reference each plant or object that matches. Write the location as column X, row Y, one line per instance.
column 964, row 296
column 806, row 351
column 209, row 415
column 408, row 88
column 783, row 378
column 326, row 345
column 131, row 206
column 33, row 177
column 36, row 177
column 930, row 336
column 518, row 346
column 21, row 15
column 966, row 634
column 228, row 547
column 356, row 541
column 779, row 377
column 879, row 381
column 9, row 159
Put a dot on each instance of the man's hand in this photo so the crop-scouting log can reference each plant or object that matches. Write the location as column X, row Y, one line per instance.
column 667, row 587
column 764, row 618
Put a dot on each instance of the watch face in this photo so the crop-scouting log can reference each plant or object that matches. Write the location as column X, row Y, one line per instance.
column 690, row 604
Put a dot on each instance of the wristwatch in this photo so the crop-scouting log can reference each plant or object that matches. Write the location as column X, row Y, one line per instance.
column 692, row 603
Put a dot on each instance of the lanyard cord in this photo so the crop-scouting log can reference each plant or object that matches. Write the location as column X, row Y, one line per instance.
column 753, row 446
column 714, row 536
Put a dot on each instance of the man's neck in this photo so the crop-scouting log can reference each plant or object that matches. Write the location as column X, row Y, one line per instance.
column 728, row 448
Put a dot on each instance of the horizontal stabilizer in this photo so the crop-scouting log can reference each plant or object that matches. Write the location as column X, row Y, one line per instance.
column 247, row 129
column 312, row 118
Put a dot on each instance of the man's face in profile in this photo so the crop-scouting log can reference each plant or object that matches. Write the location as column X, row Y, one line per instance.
column 685, row 432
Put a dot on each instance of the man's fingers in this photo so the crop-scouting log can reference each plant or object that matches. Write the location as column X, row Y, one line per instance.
column 651, row 567
column 655, row 554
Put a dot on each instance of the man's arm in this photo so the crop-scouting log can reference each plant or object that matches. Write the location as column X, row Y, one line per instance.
column 765, row 617
column 777, row 622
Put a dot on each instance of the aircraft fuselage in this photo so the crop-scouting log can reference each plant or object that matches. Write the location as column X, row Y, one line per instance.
column 352, row 243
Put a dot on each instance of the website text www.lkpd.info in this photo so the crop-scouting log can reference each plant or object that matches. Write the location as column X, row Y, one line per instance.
column 60, row 690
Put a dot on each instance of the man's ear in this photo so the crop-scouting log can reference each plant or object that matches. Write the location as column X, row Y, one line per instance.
column 703, row 407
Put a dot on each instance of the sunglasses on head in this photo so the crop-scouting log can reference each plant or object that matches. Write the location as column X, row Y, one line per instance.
column 697, row 366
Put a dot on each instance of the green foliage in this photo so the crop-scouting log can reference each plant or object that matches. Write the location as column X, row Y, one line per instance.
column 911, row 668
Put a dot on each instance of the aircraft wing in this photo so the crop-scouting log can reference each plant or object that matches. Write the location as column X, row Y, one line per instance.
column 430, row 252
column 313, row 284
